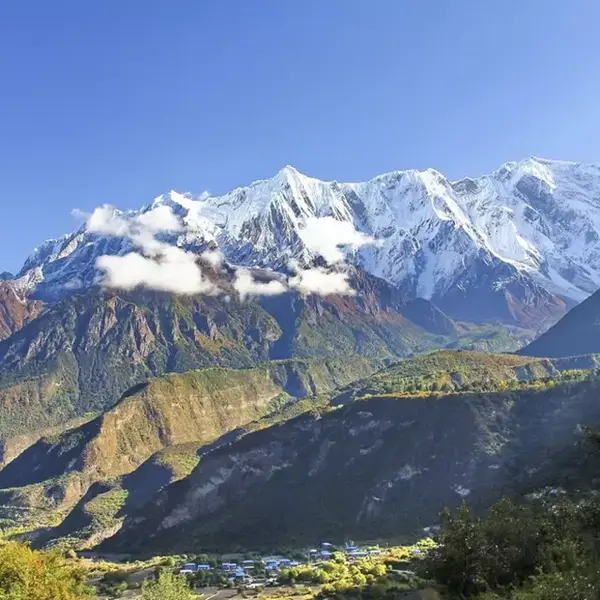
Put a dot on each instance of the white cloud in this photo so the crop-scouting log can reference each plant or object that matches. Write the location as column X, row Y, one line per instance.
column 321, row 281
column 158, row 220
column 325, row 235
column 175, row 271
column 245, row 285
column 159, row 266
column 214, row 258
column 106, row 220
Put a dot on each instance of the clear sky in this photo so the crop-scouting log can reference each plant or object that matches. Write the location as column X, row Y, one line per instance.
column 120, row 100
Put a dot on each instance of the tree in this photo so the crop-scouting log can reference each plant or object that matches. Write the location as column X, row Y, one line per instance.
column 167, row 586
column 26, row 574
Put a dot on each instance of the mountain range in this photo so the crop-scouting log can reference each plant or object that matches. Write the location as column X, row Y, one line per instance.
column 165, row 370
column 518, row 246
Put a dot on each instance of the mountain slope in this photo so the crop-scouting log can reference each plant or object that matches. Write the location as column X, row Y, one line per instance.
column 578, row 332
column 15, row 310
column 377, row 468
column 520, row 244
column 196, row 407
column 82, row 353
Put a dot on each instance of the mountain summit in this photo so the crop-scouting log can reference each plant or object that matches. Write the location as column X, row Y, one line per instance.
column 519, row 245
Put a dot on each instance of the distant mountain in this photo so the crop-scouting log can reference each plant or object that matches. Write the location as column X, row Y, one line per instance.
column 519, row 245
column 578, row 332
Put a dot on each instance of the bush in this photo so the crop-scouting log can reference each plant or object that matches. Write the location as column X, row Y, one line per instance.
column 167, row 586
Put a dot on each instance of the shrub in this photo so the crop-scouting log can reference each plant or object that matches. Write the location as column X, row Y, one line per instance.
column 167, row 586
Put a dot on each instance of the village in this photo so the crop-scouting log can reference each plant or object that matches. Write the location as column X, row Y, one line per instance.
column 267, row 571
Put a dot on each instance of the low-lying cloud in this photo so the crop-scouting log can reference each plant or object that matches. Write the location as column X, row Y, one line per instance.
column 159, row 266
column 162, row 266
column 174, row 271
column 246, row 285
column 327, row 236
column 321, row 281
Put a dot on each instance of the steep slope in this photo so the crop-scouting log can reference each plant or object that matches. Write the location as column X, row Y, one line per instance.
column 15, row 310
column 519, row 245
column 82, row 353
column 193, row 407
column 102, row 508
column 578, row 332
column 382, row 467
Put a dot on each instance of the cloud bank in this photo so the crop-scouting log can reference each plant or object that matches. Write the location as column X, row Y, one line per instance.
column 161, row 266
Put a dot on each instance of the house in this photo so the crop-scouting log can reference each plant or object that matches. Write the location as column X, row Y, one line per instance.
column 313, row 551
column 285, row 562
column 227, row 566
column 189, row 567
column 351, row 548
column 294, row 563
column 186, row 572
column 358, row 554
column 326, row 554
column 203, row 567
column 240, row 575
column 248, row 564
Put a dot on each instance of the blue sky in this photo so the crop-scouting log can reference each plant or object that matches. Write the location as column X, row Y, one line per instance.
column 119, row 100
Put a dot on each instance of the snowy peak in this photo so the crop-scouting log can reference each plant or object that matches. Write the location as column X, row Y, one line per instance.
column 536, row 220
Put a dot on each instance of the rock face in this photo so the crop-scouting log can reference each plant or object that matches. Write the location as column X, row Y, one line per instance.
column 373, row 468
column 15, row 310
column 519, row 245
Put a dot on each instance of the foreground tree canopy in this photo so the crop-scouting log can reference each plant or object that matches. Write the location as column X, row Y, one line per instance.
column 26, row 574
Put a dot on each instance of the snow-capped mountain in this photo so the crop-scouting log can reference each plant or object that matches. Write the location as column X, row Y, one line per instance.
column 514, row 245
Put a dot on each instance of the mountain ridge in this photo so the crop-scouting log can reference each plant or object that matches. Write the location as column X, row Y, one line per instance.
column 432, row 234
